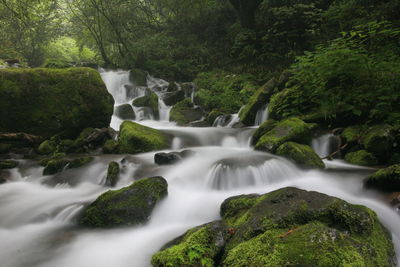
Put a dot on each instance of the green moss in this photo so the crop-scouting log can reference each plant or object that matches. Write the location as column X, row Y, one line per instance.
column 135, row 138
column 112, row 173
column 54, row 166
column 292, row 129
column 184, row 112
column 261, row 130
column 387, row 179
column 261, row 97
column 138, row 77
column 8, row 164
column 303, row 155
column 125, row 112
column 196, row 249
column 127, row 206
column 47, row 147
column 110, row 147
column 352, row 134
column 79, row 162
column 361, row 157
column 150, row 101
column 379, row 140
column 53, row 101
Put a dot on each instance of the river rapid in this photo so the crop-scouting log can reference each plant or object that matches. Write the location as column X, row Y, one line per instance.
column 38, row 213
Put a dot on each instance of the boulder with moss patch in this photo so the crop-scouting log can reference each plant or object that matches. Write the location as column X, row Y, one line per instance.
column 287, row 227
column 46, row 102
column 135, row 138
column 387, row 179
column 112, row 174
column 292, row 129
column 130, row 205
column 261, row 97
column 185, row 112
column 379, row 140
column 150, row 101
column 303, row 155
column 261, row 130
column 124, row 112
column 361, row 157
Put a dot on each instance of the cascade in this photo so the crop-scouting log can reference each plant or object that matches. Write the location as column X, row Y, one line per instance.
column 261, row 116
column 38, row 214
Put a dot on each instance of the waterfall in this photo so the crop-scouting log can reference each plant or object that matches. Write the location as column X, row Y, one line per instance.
column 164, row 110
column 322, row 145
column 261, row 116
column 38, row 214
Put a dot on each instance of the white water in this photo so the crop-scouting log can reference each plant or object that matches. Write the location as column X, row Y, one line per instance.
column 261, row 116
column 322, row 145
column 37, row 219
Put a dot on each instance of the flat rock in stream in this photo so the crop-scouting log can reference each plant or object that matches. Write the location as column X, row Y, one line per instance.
column 287, row 227
column 130, row 205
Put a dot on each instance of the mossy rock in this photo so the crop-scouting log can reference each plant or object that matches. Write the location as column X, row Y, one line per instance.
column 184, row 112
column 130, row 205
column 150, row 101
column 387, row 179
column 361, row 157
column 261, row 97
column 213, row 115
column 379, row 140
column 292, row 129
column 125, row 112
column 135, row 138
column 54, row 166
column 112, row 174
column 47, row 147
column 5, row 148
column 110, row 147
column 287, row 227
column 303, row 155
column 262, row 129
column 8, row 164
column 46, row 102
column 138, row 77
column 171, row 98
column 79, row 162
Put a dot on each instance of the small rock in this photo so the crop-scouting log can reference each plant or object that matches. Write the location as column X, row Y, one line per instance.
column 112, row 174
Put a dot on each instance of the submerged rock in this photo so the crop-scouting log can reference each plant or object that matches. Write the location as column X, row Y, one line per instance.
column 387, row 179
column 287, row 227
column 185, row 112
column 46, row 102
column 361, row 157
column 112, row 174
column 125, row 112
column 135, row 138
column 303, row 155
column 292, row 129
column 127, row 206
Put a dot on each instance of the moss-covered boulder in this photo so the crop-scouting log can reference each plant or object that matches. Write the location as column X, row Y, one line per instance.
column 46, row 102
column 124, row 112
column 150, row 101
column 261, row 97
column 138, row 77
column 379, row 140
column 171, row 98
column 261, row 130
column 79, row 162
column 112, row 174
column 387, row 179
column 127, row 206
column 292, row 129
column 47, row 147
column 287, row 227
column 303, row 155
column 185, row 112
column 361, row 157
column 8, row 164
column 110, row 147
column 135, row 138
column 59, row 162
column 54, row 166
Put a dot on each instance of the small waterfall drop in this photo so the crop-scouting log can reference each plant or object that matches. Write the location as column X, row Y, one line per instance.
column 322, row 145
column 261, row 116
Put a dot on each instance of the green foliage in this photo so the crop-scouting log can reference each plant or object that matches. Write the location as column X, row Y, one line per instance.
column 223, row 91
column 361, row 157
column 66, row 49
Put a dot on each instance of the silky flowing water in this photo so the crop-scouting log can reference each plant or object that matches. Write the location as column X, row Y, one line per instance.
column 38, row 213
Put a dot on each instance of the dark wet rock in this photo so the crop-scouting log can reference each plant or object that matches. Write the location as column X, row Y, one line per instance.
column 112, row 174
column 8, row 164
column 387, row 179
column 171, row 98
column 130, row 205
column 125, row 112
column 172, row 157
column 79, row 162
column 110, row 147
column 185, row 112
column 148, row 101
column 287, row 227
column 54, row 166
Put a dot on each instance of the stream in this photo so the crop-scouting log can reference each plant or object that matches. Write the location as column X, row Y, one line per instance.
column 38, row 213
